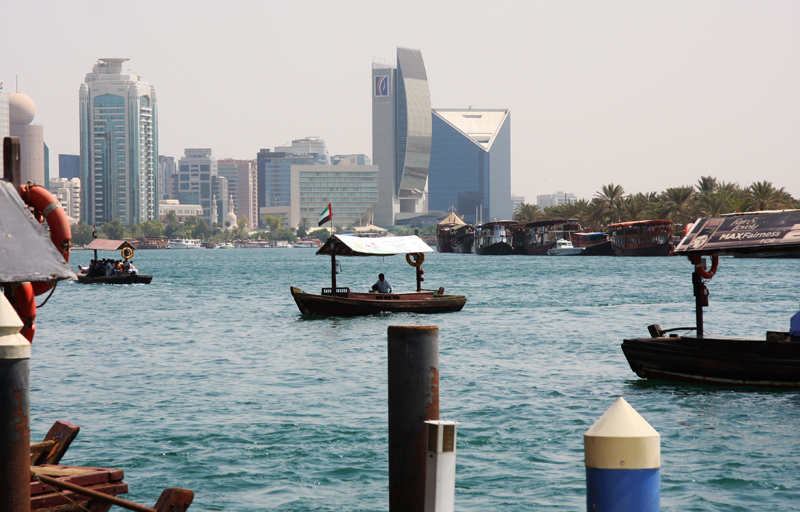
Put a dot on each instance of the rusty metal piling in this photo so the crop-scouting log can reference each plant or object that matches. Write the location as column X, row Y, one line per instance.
column 15, row 431
column 413, row 399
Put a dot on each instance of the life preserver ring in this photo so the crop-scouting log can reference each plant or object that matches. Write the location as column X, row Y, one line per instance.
column 418, row 258
column 127, row 253
column 25, row 306
column 47, row 207
column 697, row 261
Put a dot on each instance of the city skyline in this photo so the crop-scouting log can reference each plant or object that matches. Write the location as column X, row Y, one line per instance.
column 647, row 96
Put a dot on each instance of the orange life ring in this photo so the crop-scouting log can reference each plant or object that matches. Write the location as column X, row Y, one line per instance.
column 698, row 265
column 47, row 207
column 127, row 253
column 418, row 258
column 25, row 306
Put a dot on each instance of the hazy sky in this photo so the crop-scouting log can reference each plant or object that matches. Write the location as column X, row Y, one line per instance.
column 647, row 95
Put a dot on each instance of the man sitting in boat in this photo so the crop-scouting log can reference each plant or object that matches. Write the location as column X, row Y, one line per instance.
column 382, row 285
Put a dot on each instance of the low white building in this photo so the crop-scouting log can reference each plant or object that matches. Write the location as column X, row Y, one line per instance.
column 546, row 201
column 68, row 193
column 182, row 211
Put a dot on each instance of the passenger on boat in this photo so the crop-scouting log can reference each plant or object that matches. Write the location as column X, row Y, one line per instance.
column 382, row 285
column 794, row 327
column 132, row 268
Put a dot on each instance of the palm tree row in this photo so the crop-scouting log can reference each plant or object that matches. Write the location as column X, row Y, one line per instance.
column 682, row 205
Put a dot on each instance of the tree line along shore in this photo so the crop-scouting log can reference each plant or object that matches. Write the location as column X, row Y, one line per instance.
column 682, row 205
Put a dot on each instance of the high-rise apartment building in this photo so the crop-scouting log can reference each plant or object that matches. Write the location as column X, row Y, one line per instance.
column 198, row 182
column 119, row 145
column 471, row 163
column 68, row 192
column 166, row 169
column 242, row 183
column 401, row 135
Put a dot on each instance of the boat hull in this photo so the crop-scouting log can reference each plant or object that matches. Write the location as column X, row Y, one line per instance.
column 601, row 249
column 362, row 304
column 573, row 251
column 120, row 279
column 647, row 250
column 720, row 361
column 498, row 249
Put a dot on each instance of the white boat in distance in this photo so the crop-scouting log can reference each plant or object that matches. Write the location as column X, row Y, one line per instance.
column 564, row 248
column 184, row 243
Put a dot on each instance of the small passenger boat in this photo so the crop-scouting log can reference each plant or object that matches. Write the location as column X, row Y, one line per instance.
column 91, row 276
column 565, row 248
column 771, row 361
column 341, row 301
column 185, row 243
column 642, row 237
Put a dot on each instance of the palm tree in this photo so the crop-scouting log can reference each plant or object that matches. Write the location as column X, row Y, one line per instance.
column 714, row 204
column 680, row 201
column 706, row 184
column 764, row 196
column 526, row 212
column 607, row 203
column 304, row 224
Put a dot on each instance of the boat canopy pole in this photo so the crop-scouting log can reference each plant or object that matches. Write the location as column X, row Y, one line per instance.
column 699, row 294
column 333, row 265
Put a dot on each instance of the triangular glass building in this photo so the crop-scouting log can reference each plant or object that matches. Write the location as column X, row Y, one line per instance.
column 470, row 165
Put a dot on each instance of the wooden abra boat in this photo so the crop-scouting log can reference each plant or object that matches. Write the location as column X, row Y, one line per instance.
column 88, row 276
column 343, row 302
column 772, row 361
column 642, row 237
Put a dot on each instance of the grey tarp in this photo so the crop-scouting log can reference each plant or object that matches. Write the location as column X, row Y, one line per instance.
column 26, row 252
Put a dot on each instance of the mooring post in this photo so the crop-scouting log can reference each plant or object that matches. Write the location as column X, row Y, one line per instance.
column 413, row 400
column 699, row 298
column 15, row 430
column 623, row 457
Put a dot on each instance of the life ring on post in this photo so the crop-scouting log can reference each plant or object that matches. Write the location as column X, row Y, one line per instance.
column 127, row 253
column 25, row 306
column 47, row 207
column 417, row 258
column 698, row 266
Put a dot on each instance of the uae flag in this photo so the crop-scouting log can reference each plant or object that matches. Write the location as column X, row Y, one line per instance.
column 325, row 216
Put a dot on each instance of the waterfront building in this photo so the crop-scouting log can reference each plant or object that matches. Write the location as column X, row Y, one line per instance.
column 182, row 211
column 471, row 163
column 351, row 190
column 167, row 168
column 119, row 145
column 274, row 170
column 242, row 186
column 548, row 200
column 198, row 182
column 69, row 166
column 68, row 192
column 401, row 135
column 21, row 111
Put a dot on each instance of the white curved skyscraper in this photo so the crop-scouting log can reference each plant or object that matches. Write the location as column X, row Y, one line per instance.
column 119, row 145
column 401, row 135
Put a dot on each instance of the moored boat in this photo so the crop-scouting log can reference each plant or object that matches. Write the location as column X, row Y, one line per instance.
column 500, row 238
column 342, row 302
column 642, row 237
column 97, row 272
column 463, row 239
column 542, row 235
column 185, row 243
column 565, row 248
column 446, row 232
column 594, row 244
column 771, row 361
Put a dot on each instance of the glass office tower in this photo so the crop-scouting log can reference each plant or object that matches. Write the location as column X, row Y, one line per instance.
column 471, row 163
column 401, row 134
column 119, row 145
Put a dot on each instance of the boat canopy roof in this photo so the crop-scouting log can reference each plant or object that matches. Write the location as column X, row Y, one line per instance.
column 452, row 218
column 385, row 246
column 642, row 223
column 551, row 222
column 26, row 252
column 744, row 233
column 103, row 244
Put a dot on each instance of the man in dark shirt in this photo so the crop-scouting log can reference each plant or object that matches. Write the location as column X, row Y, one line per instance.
column 382, row 285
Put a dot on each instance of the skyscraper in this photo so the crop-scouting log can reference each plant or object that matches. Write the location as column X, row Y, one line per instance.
column 241, row 176
column 166, row 169
column 198, row 182
column 471, row 162
column 119, row 145
column 401, row 135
